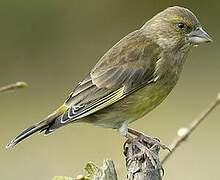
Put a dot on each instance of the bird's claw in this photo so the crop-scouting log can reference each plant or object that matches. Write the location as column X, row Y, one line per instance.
column 143, row 137
column 146, row 152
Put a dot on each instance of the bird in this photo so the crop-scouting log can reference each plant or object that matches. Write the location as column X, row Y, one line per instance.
column 131, row 78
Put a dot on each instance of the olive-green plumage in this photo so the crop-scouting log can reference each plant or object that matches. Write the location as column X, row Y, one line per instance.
column 132, row 78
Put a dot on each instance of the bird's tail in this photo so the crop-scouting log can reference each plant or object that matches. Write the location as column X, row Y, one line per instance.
column 41, row 126
column 27, row 132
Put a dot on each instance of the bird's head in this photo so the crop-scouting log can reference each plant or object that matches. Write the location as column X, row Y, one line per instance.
column 176, row 26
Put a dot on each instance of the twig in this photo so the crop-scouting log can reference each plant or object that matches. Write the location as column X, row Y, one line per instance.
column 183, row 133
column 16, row 85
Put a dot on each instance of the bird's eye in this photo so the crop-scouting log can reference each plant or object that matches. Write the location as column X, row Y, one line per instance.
column 181, row 25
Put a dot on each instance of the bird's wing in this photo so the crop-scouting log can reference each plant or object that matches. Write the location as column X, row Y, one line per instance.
column 126, row 67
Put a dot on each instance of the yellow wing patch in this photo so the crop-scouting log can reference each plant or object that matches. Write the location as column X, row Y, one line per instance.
column 103, row 102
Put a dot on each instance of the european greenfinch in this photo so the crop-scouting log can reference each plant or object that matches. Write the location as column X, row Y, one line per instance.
column 132, row 78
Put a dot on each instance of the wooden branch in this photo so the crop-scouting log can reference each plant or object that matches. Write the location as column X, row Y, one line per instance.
column 14, row 86
column 183, row 133
column 143, row 167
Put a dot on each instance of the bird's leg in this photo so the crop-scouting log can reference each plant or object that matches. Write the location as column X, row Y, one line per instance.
column 147, row 138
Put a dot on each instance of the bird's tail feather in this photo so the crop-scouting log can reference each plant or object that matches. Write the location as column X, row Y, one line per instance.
column 42, row 125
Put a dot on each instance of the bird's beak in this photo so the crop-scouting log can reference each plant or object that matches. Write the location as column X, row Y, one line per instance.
column 199, row 36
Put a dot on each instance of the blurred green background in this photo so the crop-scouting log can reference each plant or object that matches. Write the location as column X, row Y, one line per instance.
column 52, row 44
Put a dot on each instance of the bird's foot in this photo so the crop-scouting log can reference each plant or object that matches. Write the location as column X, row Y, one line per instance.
column 144, row 149
column 143, row 137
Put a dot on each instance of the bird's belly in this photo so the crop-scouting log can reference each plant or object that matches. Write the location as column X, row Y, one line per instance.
column 133, row 106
